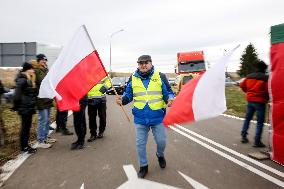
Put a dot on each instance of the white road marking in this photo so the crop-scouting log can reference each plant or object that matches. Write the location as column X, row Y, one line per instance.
column 238, row 162
column 83, row 186
column 239, row 118
column 279, row 173
column 130, row 172
column 194, row 183
column 137, row 183
column 10, row 167
column 63, row 183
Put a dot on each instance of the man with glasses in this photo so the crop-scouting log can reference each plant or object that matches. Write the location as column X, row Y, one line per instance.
column 151, row 93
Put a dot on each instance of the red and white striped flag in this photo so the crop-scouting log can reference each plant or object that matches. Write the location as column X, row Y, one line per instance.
column 202, row 97
column 77, row 69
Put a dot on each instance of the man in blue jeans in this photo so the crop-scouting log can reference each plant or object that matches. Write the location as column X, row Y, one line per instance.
column 256, row 88
column 151, row 93
column 43, row 105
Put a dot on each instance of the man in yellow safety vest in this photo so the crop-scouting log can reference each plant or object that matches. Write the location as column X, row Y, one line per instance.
column 97, row 105
column 151, row 93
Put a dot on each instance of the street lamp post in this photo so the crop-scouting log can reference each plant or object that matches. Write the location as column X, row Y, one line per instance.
column 110, row 47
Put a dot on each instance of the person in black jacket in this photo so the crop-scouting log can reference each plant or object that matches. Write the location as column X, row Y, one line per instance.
column 24, row 103
column 79, row 121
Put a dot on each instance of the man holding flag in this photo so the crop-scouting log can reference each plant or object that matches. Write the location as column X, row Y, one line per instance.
column 151, row 93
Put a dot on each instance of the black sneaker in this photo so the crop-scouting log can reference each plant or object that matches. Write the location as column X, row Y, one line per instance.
column 100, row 135
column 77, row 146
column 244, row 140
column 51, row 128
column 92, row 138
column 162, row 161
column 143, row 171
column 66, row 132
column 259, row 145
column 29, row 150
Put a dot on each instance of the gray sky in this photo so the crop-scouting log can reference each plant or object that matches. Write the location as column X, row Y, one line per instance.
column 160, row 28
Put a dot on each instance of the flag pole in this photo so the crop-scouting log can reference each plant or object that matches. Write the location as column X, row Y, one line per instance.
column 107, row 74
column 116, row 94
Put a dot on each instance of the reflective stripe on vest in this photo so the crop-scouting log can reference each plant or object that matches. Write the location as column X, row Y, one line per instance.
column 95, row 91
column 152, row 95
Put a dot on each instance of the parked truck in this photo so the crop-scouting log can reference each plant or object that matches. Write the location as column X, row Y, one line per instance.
column 189, row 65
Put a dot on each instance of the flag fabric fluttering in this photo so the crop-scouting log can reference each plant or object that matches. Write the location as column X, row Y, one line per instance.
column 276, row 86
column 202, row 97
column 76, row 70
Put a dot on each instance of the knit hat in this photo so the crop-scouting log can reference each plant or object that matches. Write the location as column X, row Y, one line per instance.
column 261, row 66
column 144, row 58
column 40, row 57
column 26, row 66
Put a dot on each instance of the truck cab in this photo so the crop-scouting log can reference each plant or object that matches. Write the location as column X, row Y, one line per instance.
column 189, row 65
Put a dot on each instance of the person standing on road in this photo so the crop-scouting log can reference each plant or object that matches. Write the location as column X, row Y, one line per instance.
column 24, row 103
column 43, row 105
column 97, row 105
column 255, row 86
column 151, row 92
column 61, row 122
column 2, row 129
column 79, row 121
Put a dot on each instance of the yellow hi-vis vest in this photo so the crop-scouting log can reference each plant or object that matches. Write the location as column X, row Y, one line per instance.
column 95, row 91
column 152, row 95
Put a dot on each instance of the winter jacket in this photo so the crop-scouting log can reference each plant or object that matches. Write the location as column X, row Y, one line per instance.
column 147, row 116
column 42, row 103
column 25, row 95
column 255, row 86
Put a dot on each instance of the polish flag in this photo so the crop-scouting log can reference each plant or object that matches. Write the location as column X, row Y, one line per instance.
column 276, row 86
column 77, row 69
column 202, row 97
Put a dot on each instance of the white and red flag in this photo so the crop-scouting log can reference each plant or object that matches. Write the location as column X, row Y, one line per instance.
column 77, row 69
column 202, row 97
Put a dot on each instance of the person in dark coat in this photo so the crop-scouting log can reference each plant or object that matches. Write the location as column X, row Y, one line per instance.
column 24, row 103
column 79, row 121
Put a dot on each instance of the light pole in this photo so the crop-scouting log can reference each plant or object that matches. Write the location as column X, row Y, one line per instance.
column 110, row 47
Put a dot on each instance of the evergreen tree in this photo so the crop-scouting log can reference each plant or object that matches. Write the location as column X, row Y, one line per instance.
column 248, row 61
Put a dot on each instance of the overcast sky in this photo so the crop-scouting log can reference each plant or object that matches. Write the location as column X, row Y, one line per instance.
column 160, row 28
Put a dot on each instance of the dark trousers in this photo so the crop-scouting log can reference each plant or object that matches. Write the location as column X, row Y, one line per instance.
column 93, row 111
column 259, row 108
column 79, row 121
column 25, row 130
column 61, row 120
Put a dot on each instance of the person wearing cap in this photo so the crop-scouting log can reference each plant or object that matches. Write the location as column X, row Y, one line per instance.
column 255, row 85
column 43, row 105
column 24, row 103
column 151, row 93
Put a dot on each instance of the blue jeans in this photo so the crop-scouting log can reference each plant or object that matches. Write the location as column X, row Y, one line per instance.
column 142, row 138
column 259, row 108
column 43, row 125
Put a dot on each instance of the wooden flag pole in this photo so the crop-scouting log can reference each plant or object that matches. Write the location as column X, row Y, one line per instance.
column 118, row 96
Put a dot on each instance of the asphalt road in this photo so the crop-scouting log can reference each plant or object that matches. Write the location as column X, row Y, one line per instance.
column 100, row 163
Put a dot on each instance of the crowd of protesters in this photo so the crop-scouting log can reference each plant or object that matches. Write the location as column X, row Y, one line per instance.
column 148, row 88
column 26, row 103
